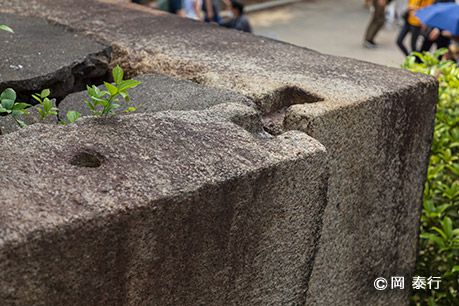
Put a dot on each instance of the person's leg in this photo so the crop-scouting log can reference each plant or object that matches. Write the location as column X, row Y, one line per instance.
column 379, row 17
column 427, row 44
column 414, row 37
column 401, row 37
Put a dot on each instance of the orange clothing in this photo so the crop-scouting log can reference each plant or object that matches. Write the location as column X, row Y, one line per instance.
column 413, row 6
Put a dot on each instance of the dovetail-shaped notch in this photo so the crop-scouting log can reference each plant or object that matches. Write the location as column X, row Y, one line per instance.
column 274, row 106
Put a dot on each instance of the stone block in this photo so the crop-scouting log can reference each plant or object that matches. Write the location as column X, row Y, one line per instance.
column 39, row 56
column 376, row 122
column 379, row 150
column 170, row 208
column 160, row 93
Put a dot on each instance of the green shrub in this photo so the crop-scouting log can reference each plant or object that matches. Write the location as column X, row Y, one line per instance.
column 439, row 243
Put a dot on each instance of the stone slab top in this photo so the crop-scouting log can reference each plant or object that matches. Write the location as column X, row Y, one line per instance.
column 38, row 53
column 68, row 175
column 148, row 41
column 160, row 93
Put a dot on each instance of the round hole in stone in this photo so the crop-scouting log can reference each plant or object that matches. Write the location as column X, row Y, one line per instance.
column 87, row 159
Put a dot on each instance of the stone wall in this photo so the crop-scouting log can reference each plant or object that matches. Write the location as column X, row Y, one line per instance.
column 375, row 123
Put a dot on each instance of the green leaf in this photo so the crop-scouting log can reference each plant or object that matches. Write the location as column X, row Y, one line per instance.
column 124, row 85
column 98, row 101
column 110, row 107
column 448, row 227
column 19, row 106
column 47, row 105
column 21, row 123
column 103, row 93
column 439, row 52
column 429, row 206
column 90, row 105
column 37, row 98
column 441, row 232
column 6, row 28
column 17, row 113
column 455, row 269
column 117, row 74
column 93, row 91
column 8, row 94
column 433, row 238
column 42, row 113
column 131, row 109
column 431, row 301
column 45, row 93
column 125, row 96
column 112, row 90
column 73, row 116
column 8, row 104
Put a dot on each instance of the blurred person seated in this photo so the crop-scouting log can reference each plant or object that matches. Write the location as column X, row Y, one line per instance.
column 239, row 20
column 211, row 10
column 193, row 9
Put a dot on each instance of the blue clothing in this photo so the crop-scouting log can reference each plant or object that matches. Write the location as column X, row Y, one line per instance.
column 215, row 9
column 241, row 23
column 175, row 6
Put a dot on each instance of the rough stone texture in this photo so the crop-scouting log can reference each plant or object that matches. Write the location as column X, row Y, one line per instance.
column 375, row 121
column 39, row 56
column 9, row 125
column 160, row 93
column 378, row 157
column 186, row 208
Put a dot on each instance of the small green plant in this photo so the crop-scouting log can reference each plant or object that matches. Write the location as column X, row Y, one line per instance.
column 10, row 106
column 46, row 108
column 6, row 28
column 72, row 116
column 107, row 98
column 439, row 245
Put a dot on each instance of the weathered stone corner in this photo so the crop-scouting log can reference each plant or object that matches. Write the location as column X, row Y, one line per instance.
column 171, row 208
column 226, row 202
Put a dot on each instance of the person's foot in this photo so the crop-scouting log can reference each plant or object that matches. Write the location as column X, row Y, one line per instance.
column 369, row 44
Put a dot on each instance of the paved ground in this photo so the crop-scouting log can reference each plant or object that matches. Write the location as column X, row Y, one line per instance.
column 329, row 26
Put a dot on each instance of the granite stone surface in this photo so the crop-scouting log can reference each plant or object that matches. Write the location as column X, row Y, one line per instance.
column 39, row 56
column 376, row 122
column 160, row 93
column 170, row 208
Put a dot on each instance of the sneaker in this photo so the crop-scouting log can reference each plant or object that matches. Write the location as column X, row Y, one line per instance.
column 369, row 44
